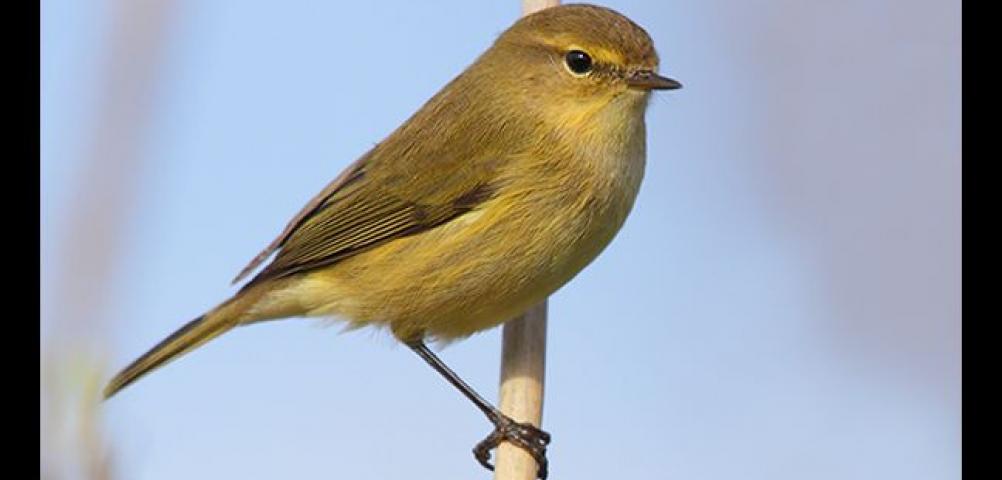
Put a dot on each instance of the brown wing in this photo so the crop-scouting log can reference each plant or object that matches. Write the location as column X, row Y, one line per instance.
column 363, row 208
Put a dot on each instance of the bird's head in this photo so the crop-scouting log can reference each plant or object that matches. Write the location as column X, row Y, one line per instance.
column 577, row 55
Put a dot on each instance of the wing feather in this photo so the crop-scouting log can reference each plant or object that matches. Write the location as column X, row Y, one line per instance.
column 357, row 214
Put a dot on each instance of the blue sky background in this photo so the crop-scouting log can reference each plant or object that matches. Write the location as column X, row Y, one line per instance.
column 783, row 302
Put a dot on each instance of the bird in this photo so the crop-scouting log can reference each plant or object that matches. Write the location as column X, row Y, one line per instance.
column 493, row 195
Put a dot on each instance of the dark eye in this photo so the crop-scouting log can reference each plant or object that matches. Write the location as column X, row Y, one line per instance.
column 579, row 62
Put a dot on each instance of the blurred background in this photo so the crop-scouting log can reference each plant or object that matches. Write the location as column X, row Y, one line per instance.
column 783, row 302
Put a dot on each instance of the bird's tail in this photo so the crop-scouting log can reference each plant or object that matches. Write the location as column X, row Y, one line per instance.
column 187, row 338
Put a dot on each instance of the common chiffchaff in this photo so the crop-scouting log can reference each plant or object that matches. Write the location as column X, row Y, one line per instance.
column 493, row 195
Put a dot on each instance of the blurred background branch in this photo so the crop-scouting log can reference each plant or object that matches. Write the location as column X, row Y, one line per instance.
column 74, row 333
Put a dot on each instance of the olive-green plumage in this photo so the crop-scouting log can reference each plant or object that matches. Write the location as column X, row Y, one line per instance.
column 494, row 194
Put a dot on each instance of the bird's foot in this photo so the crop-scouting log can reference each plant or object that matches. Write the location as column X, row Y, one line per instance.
column 523, row 435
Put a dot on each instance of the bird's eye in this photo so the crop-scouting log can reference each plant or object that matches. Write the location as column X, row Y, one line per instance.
column 579, row 62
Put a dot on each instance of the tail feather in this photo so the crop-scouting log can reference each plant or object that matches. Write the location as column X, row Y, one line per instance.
column 192, row 335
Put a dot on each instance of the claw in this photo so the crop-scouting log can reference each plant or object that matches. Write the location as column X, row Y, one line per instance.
column 523, row 435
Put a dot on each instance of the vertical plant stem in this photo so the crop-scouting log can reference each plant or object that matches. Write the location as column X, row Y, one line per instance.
column 523, row 364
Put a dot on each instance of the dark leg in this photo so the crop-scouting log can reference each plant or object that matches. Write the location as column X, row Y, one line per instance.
column 524, row 435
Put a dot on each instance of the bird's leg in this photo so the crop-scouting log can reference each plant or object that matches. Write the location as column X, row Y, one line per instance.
column 524, row 435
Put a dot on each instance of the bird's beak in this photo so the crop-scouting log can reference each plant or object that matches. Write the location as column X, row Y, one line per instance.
column 648, row 80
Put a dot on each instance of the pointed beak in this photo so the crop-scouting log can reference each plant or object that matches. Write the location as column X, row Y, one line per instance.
column 648, row 80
